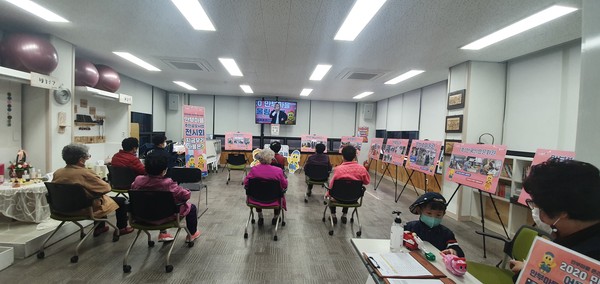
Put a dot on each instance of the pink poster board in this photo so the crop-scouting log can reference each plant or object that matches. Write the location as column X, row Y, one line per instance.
column 394, row 151
column 238, row 141
column 309, row 142
column 351, row 140
column 375, row 148
column 476, row 165
column 363, row 132
column 549, row 262
column 194, row 137
column 423, row 156
column 542, row 155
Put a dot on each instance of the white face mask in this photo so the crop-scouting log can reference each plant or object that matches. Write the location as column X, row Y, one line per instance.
column 535, row 213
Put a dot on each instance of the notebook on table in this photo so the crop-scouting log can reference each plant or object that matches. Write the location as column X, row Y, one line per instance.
column 402, row 265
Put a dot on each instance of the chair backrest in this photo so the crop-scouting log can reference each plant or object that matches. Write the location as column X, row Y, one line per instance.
column 316, row 172
column 236, row 159
column 264, row 190
column 151, row 205
column 519, row 247
column 144, row 149
column 121, row 177
column 185, row 175
column 66, row 198
column 347, row 190
column 276, row 164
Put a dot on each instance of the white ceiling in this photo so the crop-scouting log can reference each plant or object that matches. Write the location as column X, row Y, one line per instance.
column 278, row 43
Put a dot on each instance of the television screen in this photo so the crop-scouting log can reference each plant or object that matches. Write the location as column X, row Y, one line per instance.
column 275, row 112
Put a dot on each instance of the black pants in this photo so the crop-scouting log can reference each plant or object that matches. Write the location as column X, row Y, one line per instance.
column 344, row 209
column 276, row 211
column 191, row 220
column 121, row 213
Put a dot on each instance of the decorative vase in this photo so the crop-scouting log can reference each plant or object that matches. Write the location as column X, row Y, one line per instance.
column 19, row 174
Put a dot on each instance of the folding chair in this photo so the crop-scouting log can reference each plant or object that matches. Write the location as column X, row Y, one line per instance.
column 120, row 179
column 71, row 203
column 315, row 175
column 148, row 210
column 190, row 176
column 236, row 162
column 517, row 248
column 265, row 191
column 345, row 193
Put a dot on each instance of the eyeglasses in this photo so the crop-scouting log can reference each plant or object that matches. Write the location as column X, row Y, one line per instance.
column 530, row 204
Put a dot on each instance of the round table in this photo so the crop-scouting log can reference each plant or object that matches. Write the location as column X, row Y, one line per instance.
column 25, row 203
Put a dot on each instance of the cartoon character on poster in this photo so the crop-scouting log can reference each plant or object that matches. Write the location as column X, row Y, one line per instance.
column 201, row 161
column 547, row 262
column 291, row 120
column 191, row 161
column 254, row 160
column 294, row 161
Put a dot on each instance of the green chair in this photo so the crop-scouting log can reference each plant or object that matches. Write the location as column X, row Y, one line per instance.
column 236, row 162
column 517, row 248
column 120, row 179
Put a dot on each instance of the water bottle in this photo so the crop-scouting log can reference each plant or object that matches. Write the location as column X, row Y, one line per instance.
column 396, row 233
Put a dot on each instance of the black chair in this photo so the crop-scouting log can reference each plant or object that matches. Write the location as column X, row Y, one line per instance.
column 71, row 203
column 236, row 162
column 315, row 175
column 345, row 193
column 265, row 191
column 190, row 176
column 120, row 179
column 146, row 208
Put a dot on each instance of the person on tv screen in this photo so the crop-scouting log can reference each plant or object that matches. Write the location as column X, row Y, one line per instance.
column 277, row 115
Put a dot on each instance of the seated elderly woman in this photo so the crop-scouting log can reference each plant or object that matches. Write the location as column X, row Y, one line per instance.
column 75, row 155
column 265, row 170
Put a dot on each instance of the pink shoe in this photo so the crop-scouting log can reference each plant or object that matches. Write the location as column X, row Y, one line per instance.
column 189, row 239
column 165, row 237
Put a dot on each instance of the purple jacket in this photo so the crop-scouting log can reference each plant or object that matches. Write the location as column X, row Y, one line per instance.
column 267, row 172
column 318, row 159
column 180, row 194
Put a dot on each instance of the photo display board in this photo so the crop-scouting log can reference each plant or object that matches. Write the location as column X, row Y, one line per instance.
column 309, row 142
column 476, row 165
column 542, row 155
column 394, row 151
column 375, row 148
column 238, row 141
column 423, row 156
column 194, row 137
column 352, row 141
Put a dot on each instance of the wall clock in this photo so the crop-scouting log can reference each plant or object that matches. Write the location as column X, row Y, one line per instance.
column 62, row 96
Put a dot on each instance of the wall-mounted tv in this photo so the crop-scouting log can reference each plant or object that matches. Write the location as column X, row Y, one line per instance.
column 275, row 112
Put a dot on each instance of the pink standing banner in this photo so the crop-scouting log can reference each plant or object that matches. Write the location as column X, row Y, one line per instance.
column 238, row 141
column 194, row 137
column 476, row 165
column 542, row 155
column 309, row 142
column 395, row 151
column 352, row 141
column 375, row 148
column 423, row 156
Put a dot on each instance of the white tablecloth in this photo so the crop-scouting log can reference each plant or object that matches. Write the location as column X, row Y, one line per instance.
column 26, row 203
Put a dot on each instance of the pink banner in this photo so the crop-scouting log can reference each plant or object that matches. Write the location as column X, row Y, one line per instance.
column 194, row 137
column 238, row 141
column 363, row 132
column 309, row 142
column 542, row 155
column 395, row 151
column 476, row 165
column 423, row 156
column 352, row 141
column 375, row 149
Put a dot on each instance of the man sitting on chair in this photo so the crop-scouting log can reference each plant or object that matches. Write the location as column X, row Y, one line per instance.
column 126, row 158
column 318, row 159
column 279, row 160
column 351, row 170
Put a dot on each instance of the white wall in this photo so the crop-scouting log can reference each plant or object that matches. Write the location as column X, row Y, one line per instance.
column 394, row 109
column 141, row 93
column 334, row 119
column 174, row 118
column 206, row 101
column 10, row 139
column 484, row 109
column 159, row 110
column 235, row 114
column 381, row 114
column 433, row 110
column 411, row 110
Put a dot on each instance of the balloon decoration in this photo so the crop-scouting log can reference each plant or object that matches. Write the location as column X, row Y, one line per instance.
column 29, row 53
column 86, row 73
column 109, row 79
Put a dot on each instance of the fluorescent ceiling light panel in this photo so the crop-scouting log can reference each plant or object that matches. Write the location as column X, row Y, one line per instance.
column 137, row 61
column 194, row 14
column 521, row 26
column 38, row 10
column 361, row 14
column 231, row 67
column 362, row 95
column 305, row 92
column 320, row 72
column 404, row 76
column 185, row 85
column 247, row 89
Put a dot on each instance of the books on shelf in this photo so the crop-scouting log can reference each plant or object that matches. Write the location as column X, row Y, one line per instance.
column 507, row 171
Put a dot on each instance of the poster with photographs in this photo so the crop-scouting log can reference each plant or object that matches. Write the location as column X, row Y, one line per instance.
column 352, row 141
column 375, row 148
column 394, row 151
column 542, row 155
column 423, row 156
column 476, row 165
column 194, row 137
column 309, row 142
column 238, row 141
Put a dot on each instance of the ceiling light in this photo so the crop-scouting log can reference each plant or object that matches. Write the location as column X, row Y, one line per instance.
column 247, row 89
column 185, row 85
column 361, row 14
column 320, row 72
column 194, row 14
column 231, row 67
column 38, row 10
column 520, row 26
column 404, row 76
column 362, row 95
column 134, row 59
column 305, row 92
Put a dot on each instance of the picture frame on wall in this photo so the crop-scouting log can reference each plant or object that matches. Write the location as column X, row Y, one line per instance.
column 454, row 123
column 449, row 145
column 456, row 100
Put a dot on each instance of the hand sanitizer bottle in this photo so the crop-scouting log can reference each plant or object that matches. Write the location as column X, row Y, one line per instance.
column 396, row 233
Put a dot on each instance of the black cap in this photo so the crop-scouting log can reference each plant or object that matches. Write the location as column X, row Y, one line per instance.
column 427, row 198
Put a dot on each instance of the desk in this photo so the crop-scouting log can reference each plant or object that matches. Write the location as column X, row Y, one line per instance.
column 383, row 246
column 26, row 203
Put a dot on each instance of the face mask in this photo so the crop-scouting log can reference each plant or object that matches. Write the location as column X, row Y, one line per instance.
column 535, row 213
column 430, row 221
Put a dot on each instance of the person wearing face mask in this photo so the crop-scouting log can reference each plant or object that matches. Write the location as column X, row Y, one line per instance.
column 431, row 207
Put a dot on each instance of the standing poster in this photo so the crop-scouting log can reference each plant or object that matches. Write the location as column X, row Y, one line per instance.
column 194, row 137
column 395, row 151
column 352, row 141
column 238, row 141
column 423, row 156
column 542, row 155
column 549, row 262
column 309, row 142
column 363, row 132
column 476, row 165
column 375, row 149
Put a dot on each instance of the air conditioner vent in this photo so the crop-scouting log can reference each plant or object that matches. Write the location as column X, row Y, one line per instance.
column 360, row 74
column 188, row 64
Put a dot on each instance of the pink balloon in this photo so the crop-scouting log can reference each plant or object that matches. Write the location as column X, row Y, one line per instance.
column 109, row 79
column 86, row 73
column 29, row 53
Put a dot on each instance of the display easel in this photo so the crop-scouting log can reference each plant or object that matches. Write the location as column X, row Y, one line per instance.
column 387, row 169
column 396, row 196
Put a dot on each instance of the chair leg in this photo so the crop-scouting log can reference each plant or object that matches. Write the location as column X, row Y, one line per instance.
column 81, row 231
column 169, row 267
column 228, row 175
column 276, row 226
column 250, row 216
column 359, row 232
column 75, row 258
column 126, row 267
column 41, row 253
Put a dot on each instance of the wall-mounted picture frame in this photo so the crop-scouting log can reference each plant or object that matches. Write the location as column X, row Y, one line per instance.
column 454, row 123
column 449, row 145
column 456, row 100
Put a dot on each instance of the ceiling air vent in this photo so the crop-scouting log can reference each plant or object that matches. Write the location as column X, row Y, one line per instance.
column 188, row 64
column 360, row 74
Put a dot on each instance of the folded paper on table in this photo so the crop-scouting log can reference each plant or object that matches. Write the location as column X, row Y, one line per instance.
column 402, row 265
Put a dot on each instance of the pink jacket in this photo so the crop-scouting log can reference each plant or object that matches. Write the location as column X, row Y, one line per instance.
column 350, row 170
column 267, row 172
column 180, row 194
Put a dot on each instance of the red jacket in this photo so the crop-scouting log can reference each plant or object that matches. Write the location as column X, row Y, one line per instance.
column 128, row 160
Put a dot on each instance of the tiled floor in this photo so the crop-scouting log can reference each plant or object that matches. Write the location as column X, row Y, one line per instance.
column 305, row 253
